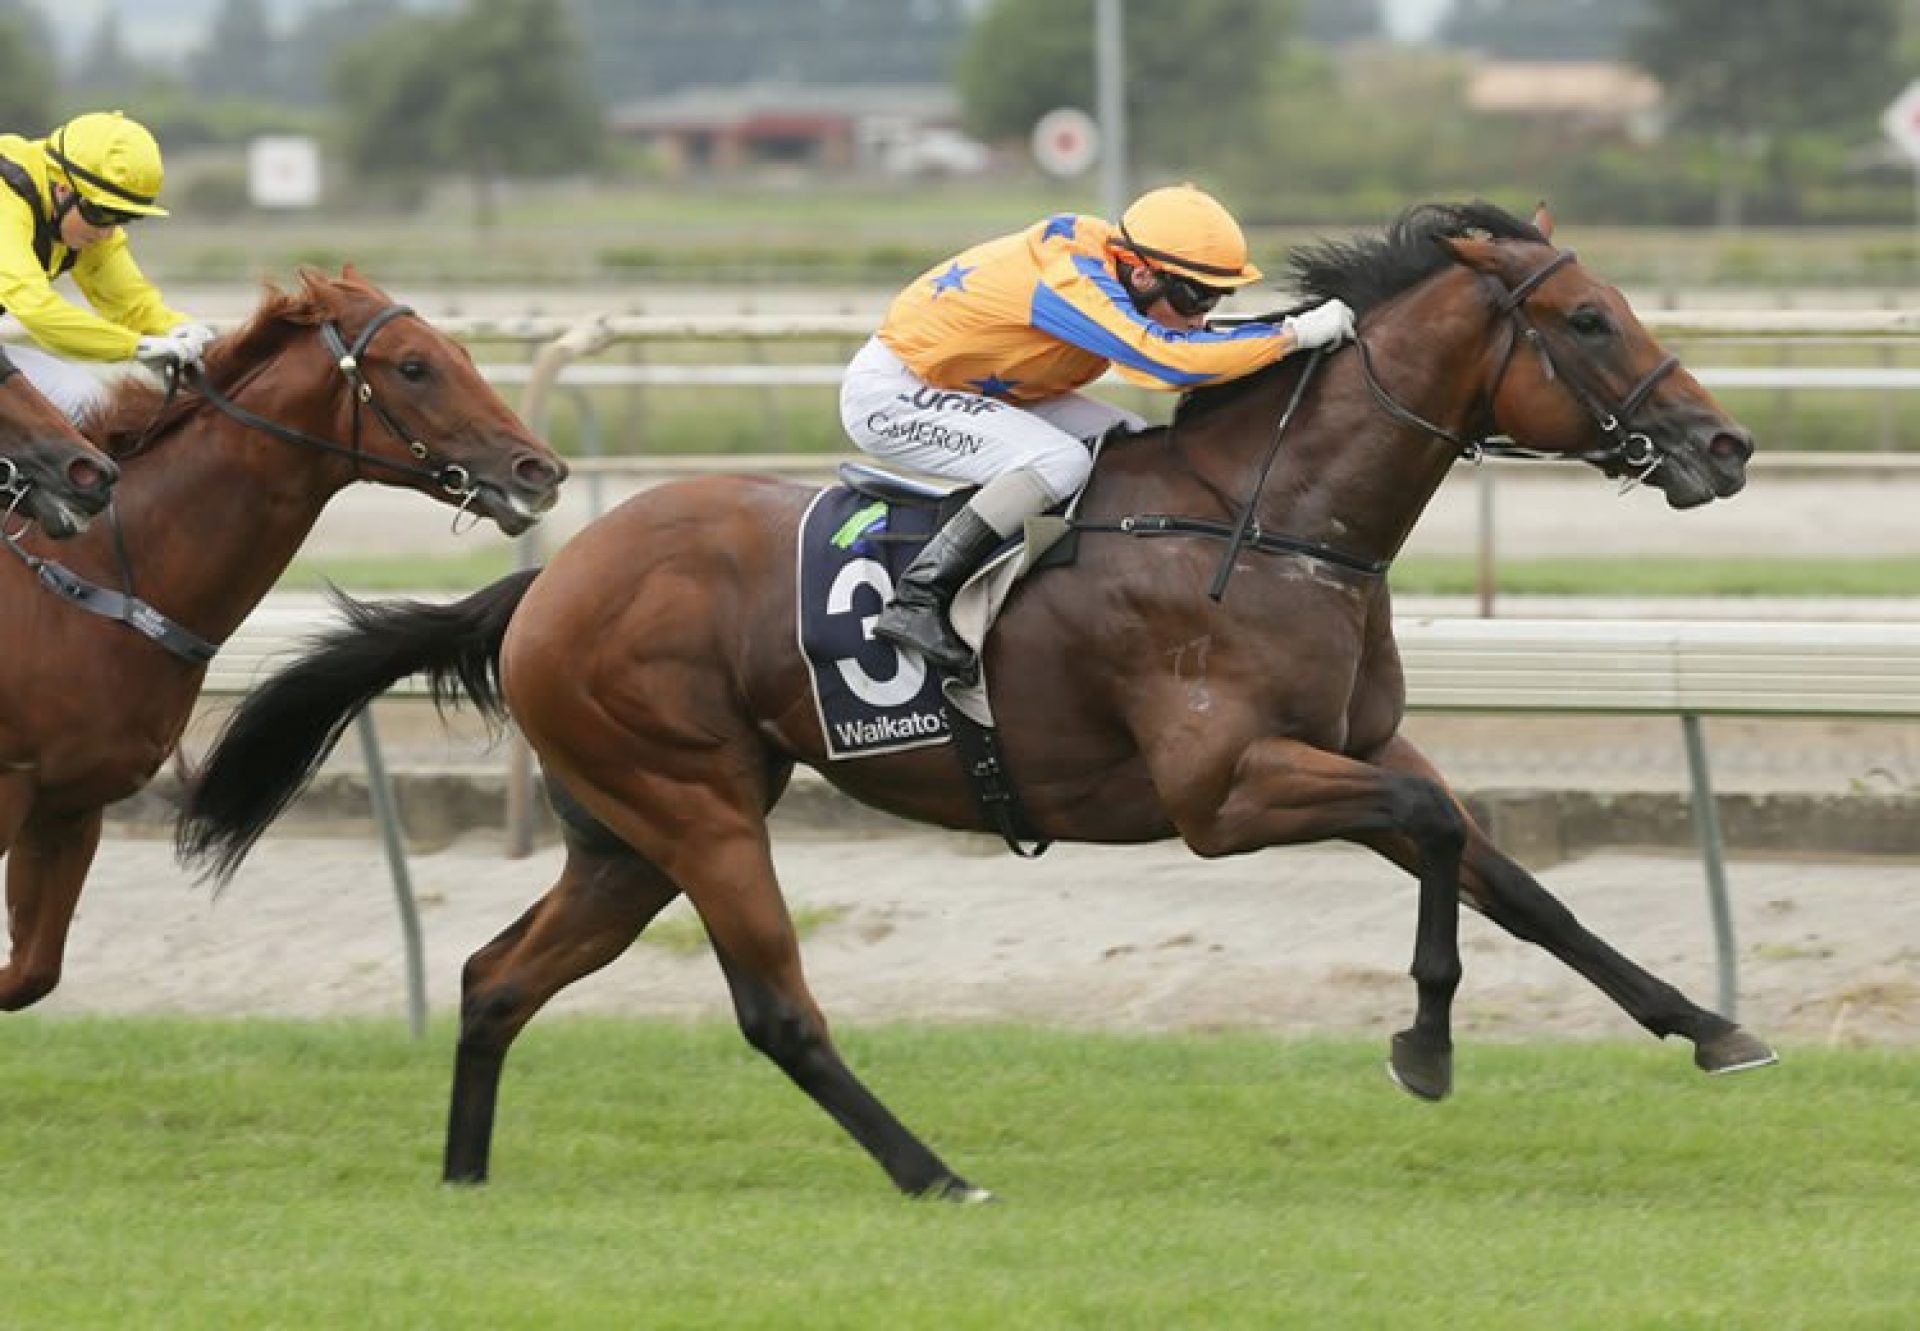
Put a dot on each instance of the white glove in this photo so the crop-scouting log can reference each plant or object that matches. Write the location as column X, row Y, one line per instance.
column 1322, row 326
column 164, row 351
column 195, row 335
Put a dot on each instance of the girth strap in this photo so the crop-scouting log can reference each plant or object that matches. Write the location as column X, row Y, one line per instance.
column 993, row 790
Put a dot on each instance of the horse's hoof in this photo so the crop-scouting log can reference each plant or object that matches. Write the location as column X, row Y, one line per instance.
column 1733, row 1050
column 959, row 1191
column 1420, row 1071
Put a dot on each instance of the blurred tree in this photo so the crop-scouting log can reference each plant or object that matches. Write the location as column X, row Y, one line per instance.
column 1197, row 71
column 106, row 66
column 519, row 104
column 390, row 88
column 26, row 76
column 491, row 92
column 240, row 57
column 1763, row 87
column 320, row 35
column 1783, row 67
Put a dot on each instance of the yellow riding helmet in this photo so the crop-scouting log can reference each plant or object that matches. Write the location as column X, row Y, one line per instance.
column 1184, row 230
column 111, row 161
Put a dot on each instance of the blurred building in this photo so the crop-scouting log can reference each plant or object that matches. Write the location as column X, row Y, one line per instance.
column 897, row 129
column 1601, row 95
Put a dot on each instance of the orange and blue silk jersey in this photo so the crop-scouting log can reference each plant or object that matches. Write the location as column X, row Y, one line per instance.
column 1039, row 313
column 127, row 303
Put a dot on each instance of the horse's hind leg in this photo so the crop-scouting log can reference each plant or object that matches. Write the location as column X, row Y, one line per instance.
column 1509, row 896
column 738, row 898
column 605, row 896
column 709, row 832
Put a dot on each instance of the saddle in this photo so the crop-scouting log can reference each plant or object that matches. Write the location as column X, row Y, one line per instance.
column 969, row 716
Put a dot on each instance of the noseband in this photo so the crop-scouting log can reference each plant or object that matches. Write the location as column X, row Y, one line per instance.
column 452, row 478
column 1628, row 450
column 123, row 605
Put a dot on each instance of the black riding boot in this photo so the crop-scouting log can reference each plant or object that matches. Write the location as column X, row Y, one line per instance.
column 916, row 618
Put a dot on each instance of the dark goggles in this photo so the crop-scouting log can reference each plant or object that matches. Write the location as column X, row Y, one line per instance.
column 94, row 215
column 1189, row 298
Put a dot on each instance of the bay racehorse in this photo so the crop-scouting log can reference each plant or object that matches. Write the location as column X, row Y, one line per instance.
column 653, row 666
column 49, row 474
column 220, row 482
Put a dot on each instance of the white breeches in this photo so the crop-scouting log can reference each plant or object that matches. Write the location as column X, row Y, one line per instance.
column 72, row 386
column 892, row 413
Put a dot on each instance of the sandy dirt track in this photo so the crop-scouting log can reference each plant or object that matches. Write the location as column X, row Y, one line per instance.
column 927, row 926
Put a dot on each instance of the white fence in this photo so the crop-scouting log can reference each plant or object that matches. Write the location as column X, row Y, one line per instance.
column 1678, row 669
column 1664, row 668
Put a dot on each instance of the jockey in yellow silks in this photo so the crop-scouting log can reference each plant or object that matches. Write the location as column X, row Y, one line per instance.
column 66, row 202
column 975, row 371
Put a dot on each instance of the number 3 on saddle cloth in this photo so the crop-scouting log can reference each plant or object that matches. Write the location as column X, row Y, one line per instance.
column 855, row 542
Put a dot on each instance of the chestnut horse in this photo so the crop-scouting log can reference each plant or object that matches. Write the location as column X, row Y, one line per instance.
column 220, row 483
column 653, row 667
column 49, row 474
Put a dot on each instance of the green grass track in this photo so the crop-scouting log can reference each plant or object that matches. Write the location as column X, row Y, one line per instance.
column 197, row 1174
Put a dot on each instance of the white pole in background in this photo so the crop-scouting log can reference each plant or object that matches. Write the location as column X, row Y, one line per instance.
column 1110, row 106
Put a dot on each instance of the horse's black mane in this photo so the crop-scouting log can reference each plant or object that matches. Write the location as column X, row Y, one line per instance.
column 1367, row 270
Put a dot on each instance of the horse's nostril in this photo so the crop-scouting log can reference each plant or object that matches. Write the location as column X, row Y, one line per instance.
column 1731, row 446
column 91, row 474
column 538, row 473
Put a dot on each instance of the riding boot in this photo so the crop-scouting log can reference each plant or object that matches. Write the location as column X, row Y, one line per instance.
column 916, row 618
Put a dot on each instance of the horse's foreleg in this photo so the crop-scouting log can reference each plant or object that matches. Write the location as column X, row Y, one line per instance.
column 48, row 866
column 1509, row 896
column 602, row 901
column 1284, row 792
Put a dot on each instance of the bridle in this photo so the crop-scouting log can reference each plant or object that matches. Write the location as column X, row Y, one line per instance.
column 124, row 605
column 1632, row 451
column 452, row 478
column 1628, row 450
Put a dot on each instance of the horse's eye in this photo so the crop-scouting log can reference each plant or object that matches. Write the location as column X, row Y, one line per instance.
column 413, row 371
column 1589, row 322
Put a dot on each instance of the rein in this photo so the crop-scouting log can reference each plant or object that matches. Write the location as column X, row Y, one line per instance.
column 127, row 608
column 1631, row 451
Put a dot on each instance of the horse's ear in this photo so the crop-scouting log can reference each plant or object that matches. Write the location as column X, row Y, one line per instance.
column 1474, row 252
column 1543, row 219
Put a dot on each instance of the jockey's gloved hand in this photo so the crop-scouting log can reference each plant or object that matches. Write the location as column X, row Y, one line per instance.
column 1322, row 326
column 196, row 335
column 160, row 352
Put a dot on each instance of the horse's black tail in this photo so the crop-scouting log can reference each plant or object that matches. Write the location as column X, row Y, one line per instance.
column 271, row 748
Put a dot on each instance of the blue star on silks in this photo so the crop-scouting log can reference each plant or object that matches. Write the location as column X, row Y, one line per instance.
column 994, row 386
column 954, row 279
column 1059, row 227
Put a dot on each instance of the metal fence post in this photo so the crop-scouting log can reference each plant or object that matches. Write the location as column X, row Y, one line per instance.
column 386, row 812
column 1706, row 823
